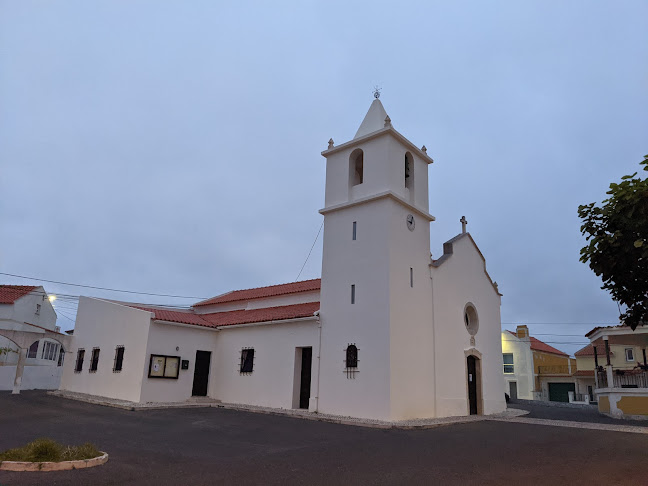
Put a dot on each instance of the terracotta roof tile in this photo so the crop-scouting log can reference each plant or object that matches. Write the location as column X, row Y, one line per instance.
column 10, row 293
column 262, row 292
column 537, row 345
column 231, row 318
column 266, row 314
column 589, row 351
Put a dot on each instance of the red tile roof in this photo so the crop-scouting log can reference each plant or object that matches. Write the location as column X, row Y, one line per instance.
column 231, row 318
column 261, row 292
column 589, row 351
column 11, row 293
column 589, row 373
column 537, row 345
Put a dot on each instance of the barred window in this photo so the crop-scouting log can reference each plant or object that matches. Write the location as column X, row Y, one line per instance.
column 352, row 356
column 79, row 362
column 247, row 360
column 94, row 360
column 119, row 359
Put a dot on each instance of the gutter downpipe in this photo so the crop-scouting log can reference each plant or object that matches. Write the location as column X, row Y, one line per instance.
column 319, row 359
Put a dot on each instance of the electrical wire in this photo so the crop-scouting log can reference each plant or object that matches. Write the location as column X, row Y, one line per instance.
column 311, row 251
column 105, row 288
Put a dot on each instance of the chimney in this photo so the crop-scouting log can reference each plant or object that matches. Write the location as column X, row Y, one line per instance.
column 522, row 331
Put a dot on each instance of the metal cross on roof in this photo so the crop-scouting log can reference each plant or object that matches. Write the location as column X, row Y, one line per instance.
column 376, row 92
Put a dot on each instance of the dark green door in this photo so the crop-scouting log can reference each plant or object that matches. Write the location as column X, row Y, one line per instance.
column 559, row 392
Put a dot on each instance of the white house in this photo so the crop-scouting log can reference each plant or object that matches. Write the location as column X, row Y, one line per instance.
column 28, row 323
column 387, row 333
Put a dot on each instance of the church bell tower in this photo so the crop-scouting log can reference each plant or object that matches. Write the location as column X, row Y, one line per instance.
column 376, row 302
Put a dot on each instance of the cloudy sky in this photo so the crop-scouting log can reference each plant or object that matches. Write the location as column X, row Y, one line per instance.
column 174, row 147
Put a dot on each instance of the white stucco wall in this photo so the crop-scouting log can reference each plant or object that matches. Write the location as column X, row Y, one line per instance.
column 364, row 263
column 410, row 312
column 163, row 340
column 106, row 325
column 273, row 382
column 522, row 365
column 459, row 280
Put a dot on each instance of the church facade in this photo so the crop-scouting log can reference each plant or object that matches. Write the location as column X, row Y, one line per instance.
column 387, row 333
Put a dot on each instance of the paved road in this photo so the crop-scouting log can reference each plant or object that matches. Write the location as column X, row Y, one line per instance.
column 580, row 414
column 216, row 446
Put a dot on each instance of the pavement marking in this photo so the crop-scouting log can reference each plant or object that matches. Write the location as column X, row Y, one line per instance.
column 574, row 425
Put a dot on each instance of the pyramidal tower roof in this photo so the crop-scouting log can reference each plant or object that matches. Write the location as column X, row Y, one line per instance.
column 373, row 120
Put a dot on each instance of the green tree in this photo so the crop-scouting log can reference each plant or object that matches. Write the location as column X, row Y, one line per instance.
column 617, row 249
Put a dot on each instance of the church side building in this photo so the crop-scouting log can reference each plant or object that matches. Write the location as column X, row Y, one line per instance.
column 387, row 333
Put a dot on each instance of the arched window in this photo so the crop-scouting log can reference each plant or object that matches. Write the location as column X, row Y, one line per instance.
column 351, row 361
column 356, row 167
column 33, row 350
column 471, row 320
column 409, row 171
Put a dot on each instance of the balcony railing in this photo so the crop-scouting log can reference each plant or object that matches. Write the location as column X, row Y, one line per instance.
column 602, row 379
column 630, row 379
column 553, row 370
column 624, row 379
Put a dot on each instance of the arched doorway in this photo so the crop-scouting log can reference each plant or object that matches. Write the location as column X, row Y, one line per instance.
column 473, row 379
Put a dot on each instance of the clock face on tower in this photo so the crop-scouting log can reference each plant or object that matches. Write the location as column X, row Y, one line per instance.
column 410, row 222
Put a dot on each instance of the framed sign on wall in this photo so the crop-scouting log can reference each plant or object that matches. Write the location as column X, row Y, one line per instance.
column 162, row 366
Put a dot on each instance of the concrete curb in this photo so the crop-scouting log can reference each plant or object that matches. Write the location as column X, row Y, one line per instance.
column 53, row 466
column 420, row 424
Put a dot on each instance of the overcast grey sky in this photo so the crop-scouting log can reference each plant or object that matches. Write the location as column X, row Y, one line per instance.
column 174, row 147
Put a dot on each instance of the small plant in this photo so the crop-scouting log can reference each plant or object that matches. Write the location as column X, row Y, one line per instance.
column 48, row 450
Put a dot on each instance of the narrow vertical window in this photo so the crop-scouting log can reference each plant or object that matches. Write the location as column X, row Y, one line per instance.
column 353, row 293
column 355, row 228
column 411, row 277
column 38, row 307
column 79, row 362
column 119, row 359
column 61, row 357
column 94, row 360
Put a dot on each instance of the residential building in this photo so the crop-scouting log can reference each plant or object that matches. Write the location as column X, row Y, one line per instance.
column 618, row 358
column 387, row 333
column 534, row 370
column 28, row 323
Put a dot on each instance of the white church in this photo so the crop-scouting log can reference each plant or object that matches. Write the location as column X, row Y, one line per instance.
column 388, row 333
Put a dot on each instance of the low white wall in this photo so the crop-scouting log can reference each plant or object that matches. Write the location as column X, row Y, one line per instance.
column 34, row 377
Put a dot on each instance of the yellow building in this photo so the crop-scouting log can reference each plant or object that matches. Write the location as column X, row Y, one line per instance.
column 533, row 370
column 616, row 358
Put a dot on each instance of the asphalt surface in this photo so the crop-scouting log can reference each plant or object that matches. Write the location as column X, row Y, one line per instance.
column 581, row 414
column 217, row 446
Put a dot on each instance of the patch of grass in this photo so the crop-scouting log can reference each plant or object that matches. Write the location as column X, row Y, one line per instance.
column 48, row 450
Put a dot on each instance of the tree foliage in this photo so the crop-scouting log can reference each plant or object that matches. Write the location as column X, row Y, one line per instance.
column 617, row 249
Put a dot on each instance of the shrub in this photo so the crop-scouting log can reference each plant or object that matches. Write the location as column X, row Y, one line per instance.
column 48, row 450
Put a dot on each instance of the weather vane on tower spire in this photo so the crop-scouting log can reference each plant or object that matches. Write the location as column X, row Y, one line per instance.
column 376, row 92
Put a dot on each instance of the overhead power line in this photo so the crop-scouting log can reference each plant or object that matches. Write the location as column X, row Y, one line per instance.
column 104, row 288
